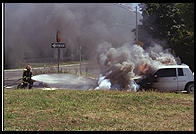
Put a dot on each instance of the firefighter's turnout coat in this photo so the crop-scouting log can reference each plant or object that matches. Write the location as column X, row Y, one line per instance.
column 27, row 74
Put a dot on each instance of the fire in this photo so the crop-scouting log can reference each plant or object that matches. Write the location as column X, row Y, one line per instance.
column 167, row 61
column 140, row 43
column 121, row 65
column 143, row 68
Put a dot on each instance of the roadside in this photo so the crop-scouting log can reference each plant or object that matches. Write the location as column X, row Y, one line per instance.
column 61, row 110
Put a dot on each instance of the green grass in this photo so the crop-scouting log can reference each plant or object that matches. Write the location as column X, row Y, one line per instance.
column 97, row 110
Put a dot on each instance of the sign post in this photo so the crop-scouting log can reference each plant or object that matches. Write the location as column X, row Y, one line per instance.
column 58, row 45
column 58, row 58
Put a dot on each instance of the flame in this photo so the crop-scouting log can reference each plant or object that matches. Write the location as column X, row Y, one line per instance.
column 143, row 68
column 168, row 61
column 140, row 43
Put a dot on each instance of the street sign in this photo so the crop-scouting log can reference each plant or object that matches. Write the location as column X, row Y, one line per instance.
column 58, row 45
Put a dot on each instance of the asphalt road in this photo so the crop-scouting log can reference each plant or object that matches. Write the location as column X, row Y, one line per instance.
column 10, row 78
column 66, row 81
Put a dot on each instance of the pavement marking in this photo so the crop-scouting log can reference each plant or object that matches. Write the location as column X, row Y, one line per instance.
column 49, row 88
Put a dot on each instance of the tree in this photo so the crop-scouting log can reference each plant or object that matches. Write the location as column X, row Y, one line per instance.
column 174, row 23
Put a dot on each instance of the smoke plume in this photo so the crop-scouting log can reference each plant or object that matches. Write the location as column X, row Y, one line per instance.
column 31, row 27
column 121, row 64
column 105, row 32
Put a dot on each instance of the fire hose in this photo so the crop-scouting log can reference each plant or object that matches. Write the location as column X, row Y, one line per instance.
column 12, row 83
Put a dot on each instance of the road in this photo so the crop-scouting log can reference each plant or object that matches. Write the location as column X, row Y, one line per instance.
column 12, row 75
column 66, row 81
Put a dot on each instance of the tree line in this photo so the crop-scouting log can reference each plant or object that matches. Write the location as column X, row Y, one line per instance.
column 173, row 23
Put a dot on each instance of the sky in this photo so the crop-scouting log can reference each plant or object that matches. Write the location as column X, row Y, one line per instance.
column 131, row 5
column 134, row 4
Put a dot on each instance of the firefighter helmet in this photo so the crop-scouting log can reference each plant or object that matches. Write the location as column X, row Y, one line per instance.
column 28, row 67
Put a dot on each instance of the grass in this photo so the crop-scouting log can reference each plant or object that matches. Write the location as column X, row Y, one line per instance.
column 97, row 110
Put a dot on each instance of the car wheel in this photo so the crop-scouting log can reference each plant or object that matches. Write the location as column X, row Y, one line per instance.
column 190, row 88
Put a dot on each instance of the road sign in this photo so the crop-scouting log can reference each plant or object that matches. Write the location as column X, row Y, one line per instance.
column 58, row 45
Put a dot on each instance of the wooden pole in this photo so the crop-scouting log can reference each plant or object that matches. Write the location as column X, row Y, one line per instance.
column 80, row 59
column 136, row 28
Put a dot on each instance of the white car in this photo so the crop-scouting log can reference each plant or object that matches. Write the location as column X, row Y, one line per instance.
column 172, row 78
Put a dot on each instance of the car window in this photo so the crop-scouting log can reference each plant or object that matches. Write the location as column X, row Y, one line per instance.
column 167, row 72
column 180, row 72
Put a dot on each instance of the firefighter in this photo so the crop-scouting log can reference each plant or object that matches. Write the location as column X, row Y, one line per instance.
column 27, row 74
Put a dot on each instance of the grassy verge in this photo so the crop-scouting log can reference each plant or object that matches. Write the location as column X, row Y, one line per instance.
column 97, row 110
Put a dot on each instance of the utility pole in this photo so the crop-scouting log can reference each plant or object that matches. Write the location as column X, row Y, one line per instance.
column 130, row 10
column 136, row 28
column 80, row 59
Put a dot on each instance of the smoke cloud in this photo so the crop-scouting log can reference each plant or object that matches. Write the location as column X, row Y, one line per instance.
column 31, row 27
column 104, row 30
column 120, row 65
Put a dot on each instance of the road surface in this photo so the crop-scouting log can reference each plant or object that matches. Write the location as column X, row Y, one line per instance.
column 11, row 76
column 66, row 81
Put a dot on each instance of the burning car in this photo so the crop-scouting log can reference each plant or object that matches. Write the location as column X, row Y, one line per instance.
column 169, row 78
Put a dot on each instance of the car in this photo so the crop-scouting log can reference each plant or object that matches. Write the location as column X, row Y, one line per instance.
column 170, row 78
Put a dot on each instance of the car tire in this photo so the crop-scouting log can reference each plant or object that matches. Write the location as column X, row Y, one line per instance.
column 190, row 88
